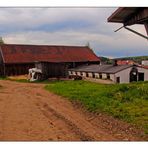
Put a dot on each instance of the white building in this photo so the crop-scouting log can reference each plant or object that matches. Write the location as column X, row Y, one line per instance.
column 117, row 74
column 144, row 62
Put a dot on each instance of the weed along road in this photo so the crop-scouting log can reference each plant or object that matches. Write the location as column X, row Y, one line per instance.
column 30, row 113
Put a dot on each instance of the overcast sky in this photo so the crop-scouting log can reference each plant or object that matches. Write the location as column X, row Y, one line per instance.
column 71, row 26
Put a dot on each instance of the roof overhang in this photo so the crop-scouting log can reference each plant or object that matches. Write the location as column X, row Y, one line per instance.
column 130, row 15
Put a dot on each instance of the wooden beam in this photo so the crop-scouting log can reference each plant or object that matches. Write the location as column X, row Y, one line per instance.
column 140, row 17
column 146, row 27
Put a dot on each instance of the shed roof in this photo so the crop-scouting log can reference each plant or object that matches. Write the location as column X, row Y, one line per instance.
column 101, row 68
column 130, row 15
column 13, row 53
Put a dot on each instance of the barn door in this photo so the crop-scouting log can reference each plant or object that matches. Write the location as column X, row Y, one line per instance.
column 134, row 74
column 140, row 76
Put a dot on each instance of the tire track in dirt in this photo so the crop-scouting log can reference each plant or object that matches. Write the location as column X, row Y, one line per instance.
column 74, row 128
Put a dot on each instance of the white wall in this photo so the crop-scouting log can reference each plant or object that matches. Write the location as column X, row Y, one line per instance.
column 112, row 77
column 124, row 75
column 144, row 62
column 90, row 75
column 104, row 76
column 96, row 75
column 84, row 74
column 145, row 71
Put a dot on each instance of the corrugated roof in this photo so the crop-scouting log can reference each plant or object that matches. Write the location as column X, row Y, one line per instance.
column 13, row 53
column 101, row 68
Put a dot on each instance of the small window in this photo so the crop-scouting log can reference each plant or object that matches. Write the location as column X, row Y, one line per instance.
column 118, row 79
column 108, row 76
column 81, row 73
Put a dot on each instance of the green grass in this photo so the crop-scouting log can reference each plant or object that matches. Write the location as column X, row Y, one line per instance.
column 128, row 102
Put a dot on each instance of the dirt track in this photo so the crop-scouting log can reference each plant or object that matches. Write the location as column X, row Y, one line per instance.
column 30, row 113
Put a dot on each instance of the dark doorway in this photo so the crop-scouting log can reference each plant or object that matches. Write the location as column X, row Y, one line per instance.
column 86, row 74
column 93, row 75
column 100, row 76
column 133, row 74
column 140, row 76
column 118, row 79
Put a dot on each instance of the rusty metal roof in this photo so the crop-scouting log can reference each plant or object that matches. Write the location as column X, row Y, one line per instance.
column 13, row 53
column 130, row 15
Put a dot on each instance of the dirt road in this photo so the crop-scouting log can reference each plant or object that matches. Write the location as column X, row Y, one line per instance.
column 30, row 113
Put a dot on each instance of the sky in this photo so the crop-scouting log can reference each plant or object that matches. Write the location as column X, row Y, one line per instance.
column 71, row 26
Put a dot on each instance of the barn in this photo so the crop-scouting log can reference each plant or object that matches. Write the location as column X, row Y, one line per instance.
column 114, row 73
column 16, row 59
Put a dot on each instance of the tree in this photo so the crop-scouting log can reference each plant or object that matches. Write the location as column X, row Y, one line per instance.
column 88, row 45
column 1, row 40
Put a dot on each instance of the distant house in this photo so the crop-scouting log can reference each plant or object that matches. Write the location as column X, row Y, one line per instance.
column 17, row 59
column 125, row 62
column 115, row 73
column 144, row 62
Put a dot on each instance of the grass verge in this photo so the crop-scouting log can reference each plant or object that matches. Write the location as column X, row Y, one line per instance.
column 128, row 102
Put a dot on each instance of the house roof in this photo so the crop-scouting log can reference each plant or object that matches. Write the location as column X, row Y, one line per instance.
column 130, row 15
column 101, row 68
column 125, row 62
column 13, row 53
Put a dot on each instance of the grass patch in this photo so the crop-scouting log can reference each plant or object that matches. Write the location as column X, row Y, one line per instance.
column 128, row 102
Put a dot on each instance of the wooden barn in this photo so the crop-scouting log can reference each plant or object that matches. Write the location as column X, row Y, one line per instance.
column 18, row 59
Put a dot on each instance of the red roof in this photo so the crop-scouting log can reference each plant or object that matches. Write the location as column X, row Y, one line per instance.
column 125, row 62
column 12, row 53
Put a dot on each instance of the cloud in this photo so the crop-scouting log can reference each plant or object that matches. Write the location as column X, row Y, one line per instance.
column 70, row 26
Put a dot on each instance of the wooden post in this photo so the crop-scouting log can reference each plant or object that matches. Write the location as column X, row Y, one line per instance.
column 146, row 27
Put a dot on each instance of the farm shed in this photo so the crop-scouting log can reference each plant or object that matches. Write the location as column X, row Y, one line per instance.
column 130, row 16
column 117, row 74
column 17, row 59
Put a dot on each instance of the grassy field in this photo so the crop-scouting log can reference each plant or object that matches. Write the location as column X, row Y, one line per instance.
column 128, row 102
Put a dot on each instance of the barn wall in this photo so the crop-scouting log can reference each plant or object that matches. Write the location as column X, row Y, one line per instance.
column 53, row 69
column 17, row 69
column 1, row 64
